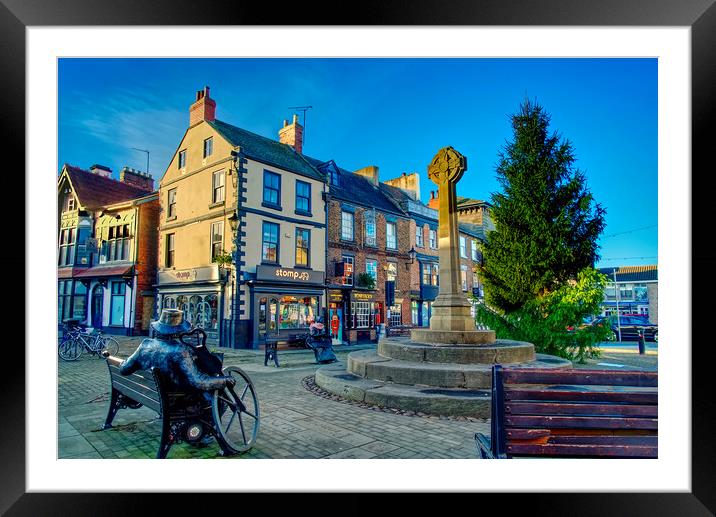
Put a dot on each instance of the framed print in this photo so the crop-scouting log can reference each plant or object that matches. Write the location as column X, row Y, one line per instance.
column 37, row 36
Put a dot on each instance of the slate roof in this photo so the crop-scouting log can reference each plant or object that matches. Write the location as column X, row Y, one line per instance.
column 632, row 273
column 354, row 188
column 465, row 202
column 265, row 150
column 95, row 191
column 474, row 230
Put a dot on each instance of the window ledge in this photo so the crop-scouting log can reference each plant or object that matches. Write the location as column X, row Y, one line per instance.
column 301, row 212
column 268, row 263
column 172, row 218
column 272, row 206
column 307, row 268
column 218, row 203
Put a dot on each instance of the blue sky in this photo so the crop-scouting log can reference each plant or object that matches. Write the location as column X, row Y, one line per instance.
column 393, row 113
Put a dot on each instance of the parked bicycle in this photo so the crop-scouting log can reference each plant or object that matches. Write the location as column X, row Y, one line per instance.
column 76, row 340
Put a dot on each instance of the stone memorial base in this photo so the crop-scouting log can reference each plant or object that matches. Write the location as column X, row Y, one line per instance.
column 453, row 337
column 440, row 378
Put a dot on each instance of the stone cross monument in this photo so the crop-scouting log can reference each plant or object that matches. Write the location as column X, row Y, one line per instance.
column 451, row 322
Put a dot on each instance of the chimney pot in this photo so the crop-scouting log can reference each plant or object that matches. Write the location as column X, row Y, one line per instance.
column 295, row 118
column 204, row 108
column 285, row 122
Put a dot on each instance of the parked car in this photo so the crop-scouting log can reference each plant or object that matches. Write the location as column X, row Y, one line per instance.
column 630, row 327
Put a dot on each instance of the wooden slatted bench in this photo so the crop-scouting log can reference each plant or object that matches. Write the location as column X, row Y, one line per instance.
column 571, row 413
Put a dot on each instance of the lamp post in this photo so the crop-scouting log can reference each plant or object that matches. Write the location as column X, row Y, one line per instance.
column 411, row 257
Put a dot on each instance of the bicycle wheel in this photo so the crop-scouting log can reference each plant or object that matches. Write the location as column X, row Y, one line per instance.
column 111, row 345
column 236, row 413
column 70, row 349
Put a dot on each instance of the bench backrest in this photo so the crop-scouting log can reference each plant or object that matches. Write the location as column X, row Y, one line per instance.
column 142, row 386
column 577, row 413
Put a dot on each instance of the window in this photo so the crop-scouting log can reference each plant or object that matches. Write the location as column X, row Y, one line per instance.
column 217, row 183
column 181, row 162
column 67, row 247
column 362, row 312
column 463, row 247
column 463, row 277
column 414, row 313
column 370, row 235
column 79, row 304
column 303, row 247
column 333, row 176
column 626, row 292
column 297, row 312
column 419, row 236
column 118, row 241
column 172, row 203
column 70, row 203
column 64, row 295
column 391, row 272
column 208, row 146
column 272, row 189
column 169, row 259
column 391, row 236
column 346, row 226
column 433, row 239
column 217, row 239
column 475, row 282
column 430, row 274
column 303, row 197
column 116, row 311
column 269, row 247
column 474, row 250
column 641, row 293
column 348, row 278
column 371, row 267
column 395, row 315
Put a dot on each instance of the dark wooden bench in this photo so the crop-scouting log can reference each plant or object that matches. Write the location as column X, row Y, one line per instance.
column 571, row 413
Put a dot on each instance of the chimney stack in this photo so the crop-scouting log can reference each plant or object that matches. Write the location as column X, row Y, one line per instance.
column 370, row 173
column 408, row 183
column 135, row 178
column 434, row 202
column 101, row 170
column 204, row 108
column 292, row 134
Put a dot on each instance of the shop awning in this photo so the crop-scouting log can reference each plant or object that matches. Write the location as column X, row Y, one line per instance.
column 104, row 271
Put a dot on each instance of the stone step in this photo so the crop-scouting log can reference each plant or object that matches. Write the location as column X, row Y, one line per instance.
column 369, row 365
column 425, row 399
column 501, row 351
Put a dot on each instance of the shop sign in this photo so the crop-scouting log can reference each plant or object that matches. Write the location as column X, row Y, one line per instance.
column 198, row 274
column 335, row 297
column 363, row 296
column 286, row 274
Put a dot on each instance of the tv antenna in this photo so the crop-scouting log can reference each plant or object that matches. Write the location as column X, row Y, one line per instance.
column 304, row 109
column 144, row 151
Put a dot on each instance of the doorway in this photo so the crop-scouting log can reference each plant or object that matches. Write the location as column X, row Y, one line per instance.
column 97, row 306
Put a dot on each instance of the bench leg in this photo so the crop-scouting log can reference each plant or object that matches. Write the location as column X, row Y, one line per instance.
column 167, row 439
column 114, row 404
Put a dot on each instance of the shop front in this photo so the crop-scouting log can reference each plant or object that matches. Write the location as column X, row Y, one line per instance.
column 198, row 292
column 284, row 302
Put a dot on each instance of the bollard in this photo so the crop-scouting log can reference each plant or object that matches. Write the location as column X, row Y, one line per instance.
column 642, row 345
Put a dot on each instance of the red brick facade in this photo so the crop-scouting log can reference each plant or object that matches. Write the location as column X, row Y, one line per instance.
column 147, row 235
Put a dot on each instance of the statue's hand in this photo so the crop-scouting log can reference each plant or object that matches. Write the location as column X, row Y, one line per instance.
column 230, row 381
column 105, row 353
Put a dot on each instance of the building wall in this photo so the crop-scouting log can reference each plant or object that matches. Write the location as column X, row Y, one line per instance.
column 146, row 264
column 652, row 290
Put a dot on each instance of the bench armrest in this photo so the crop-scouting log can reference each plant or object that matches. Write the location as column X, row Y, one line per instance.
column 483, row 446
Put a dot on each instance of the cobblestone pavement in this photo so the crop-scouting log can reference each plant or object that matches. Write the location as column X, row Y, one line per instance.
column 295, row 422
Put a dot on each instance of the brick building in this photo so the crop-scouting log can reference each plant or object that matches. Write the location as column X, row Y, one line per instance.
column 107, row 248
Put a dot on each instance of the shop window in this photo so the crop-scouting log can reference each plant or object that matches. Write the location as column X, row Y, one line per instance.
column 370, row 233
column 391, row 236
column 303, row 247
column 116, row 314
column 362, row 312
column 272, row 190
column 433, row 239
column 217, row 239
column 269, row 247
column 347, row 226
column 273, row 314
column 303, row 197
column 64, row 295
column 171, row 203
column 419, row 236
column 209, row 146
column 371, row 267
column 79, row 303
column 67, row 247
column 297, row 312
column 218, row 188
column 169, row 258
column 414, row 313
column 263, row 302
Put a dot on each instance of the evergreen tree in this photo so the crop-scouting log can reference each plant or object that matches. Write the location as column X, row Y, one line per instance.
column 546, row 219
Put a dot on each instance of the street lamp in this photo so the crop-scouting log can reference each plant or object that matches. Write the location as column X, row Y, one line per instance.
column 234, row 221
column 411, row 257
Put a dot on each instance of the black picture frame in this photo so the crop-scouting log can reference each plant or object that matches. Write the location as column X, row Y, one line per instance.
column 700, row 15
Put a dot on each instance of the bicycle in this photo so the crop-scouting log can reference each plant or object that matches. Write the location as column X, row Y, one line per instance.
column 76, row 340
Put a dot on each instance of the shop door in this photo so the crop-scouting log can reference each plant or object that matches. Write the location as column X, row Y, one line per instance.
column 335, row 322
column 97, row 306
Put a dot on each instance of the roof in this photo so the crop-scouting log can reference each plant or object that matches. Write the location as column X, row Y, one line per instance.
column 95, row 191
column 354, row 188
column 466, row 202
column 265, row 150
column 632, row 273
column 475, row 230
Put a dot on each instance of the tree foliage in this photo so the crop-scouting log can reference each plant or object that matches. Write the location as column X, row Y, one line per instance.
column 546, row 219
column 551, row 321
